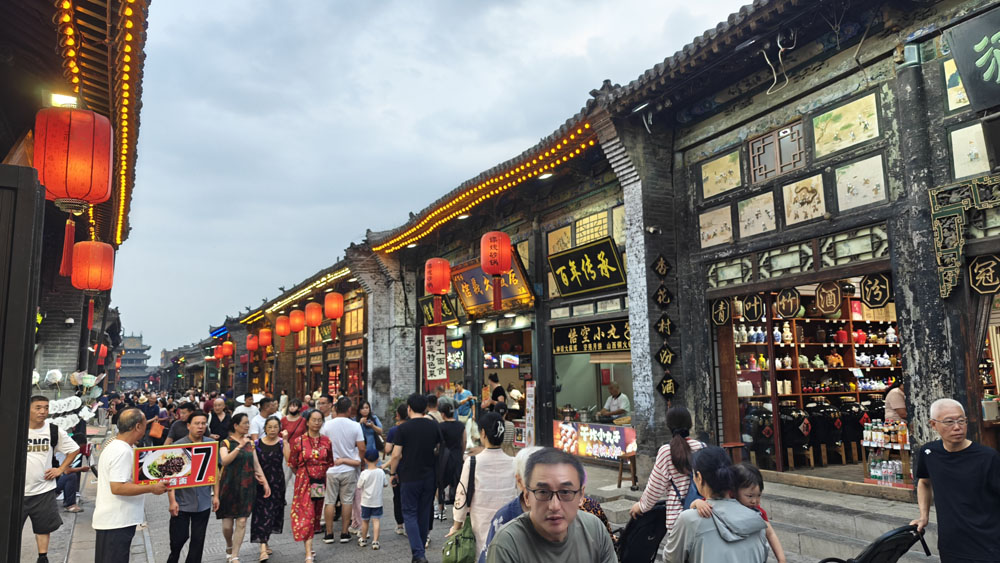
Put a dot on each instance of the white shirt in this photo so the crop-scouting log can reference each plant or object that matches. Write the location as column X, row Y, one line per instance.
column 344, row 435
column 40, row 458
column 257, row 425
column 252, row 411
column 113, row 511
column 620, row 402
column 371, row 483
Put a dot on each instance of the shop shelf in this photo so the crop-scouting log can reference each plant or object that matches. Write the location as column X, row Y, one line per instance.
column 896, row 447
column 823, row 344
column 870, row 345
column 739, row 344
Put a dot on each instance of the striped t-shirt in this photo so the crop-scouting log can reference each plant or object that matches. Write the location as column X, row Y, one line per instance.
column 659, row 486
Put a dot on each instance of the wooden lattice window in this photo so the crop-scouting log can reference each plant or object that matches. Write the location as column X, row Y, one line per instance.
column 776, row 153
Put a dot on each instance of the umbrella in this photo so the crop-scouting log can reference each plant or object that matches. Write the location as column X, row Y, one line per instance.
column 256, row 398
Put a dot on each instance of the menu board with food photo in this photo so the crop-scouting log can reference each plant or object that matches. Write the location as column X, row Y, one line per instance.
column 599, row 441
column 179, row 465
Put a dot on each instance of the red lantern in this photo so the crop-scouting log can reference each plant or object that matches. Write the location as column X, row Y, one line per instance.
column 297, row 320
column 252, row 343
column 93, row 271
column 264, row 338
column 437, row 282
column 72, row 153
column 283, row 327
column 495, row 259
column 227, row 348
column 314, row 315
column 333, row 308
column 118, row 362
column 102, row 353
column 217, row 353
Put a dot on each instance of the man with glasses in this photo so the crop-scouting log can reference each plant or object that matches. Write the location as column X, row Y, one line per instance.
column 554, row 529
column 964, row 479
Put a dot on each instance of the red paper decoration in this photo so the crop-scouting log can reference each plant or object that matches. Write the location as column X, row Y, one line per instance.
column 102, row 353
column 495, row 257
column 227, row 348
column 93, row 271
column 314, row 315
column 252, row 343
column 217, row 352
column 333, row 308
column 437, row 282
column 283, row 327
column 297, row 320
column 264, row 337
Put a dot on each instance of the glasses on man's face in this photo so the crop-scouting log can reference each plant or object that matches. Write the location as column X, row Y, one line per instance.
column 545, row 495
column 952, row 422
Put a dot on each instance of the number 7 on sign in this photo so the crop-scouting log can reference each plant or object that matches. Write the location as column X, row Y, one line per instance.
column 203, row 456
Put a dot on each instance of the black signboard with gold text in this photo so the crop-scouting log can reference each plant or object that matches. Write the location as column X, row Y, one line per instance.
column 448, row 313
column 590, row 267
column 788, row 302
column 475, row 290
column 585, row 338
column 876, row 290
column 975, row 45
column 984, row 274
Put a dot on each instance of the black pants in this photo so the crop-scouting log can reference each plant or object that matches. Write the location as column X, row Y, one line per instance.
column 397, row 506
column 113, row 546
column 180, row 526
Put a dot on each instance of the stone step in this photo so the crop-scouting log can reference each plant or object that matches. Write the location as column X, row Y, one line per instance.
column 617, row 512
column 808, row 542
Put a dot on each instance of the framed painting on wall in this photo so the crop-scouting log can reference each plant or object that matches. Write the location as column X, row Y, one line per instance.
column 860, row 183
column 716, row 226
column 757, row 215
column 968, row 151
column 560, row 239
column 804, row 200
column 720, row 175
column 845, row 126
column 957, row 98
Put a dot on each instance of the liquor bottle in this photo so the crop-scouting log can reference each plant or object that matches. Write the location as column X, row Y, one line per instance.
column 904, row 435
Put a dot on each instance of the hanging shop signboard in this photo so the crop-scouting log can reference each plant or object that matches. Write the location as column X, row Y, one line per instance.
column 326, row 332
column 448, row 315
column 179, row 465
column 667, row 386
column 665, row 326
column 876, row 290
column 475, row 290
column 599, row 441
column 975, row 44
column 721, row 312
column 829, row 297
column 788, row 302
column 435, row 355
column 661, row 267
column 594, row 266
column 984, row 274
column 753, row 308
column 604, row 336
column 666, row 355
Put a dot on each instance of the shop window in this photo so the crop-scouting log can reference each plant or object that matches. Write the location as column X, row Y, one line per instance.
column 591, row 228
column 777, row 153
column 730, row 272
column 868, row 243
column 793, row 259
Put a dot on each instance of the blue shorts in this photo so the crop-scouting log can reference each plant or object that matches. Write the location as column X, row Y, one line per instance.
column 367, row 512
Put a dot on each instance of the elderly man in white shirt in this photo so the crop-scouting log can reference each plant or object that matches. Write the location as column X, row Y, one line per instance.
column 617, row 404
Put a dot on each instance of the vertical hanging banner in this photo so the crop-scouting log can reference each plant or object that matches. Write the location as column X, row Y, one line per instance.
column 435, row 356
column 529, row 413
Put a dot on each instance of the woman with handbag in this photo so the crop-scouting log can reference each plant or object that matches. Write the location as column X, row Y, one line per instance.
column 311, row 455
column 234, row 490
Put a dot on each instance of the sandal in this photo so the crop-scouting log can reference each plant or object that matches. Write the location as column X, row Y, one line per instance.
column 74, row 509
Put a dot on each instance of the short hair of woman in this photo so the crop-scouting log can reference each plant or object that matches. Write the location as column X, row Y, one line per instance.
column 236, row 419
column 716, row 469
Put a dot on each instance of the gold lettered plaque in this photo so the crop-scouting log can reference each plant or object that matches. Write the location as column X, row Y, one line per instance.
column 984, row 274
column 788, row 302
column 753, row 308
column 721, row 312
column 876, row 290
column 829, row 298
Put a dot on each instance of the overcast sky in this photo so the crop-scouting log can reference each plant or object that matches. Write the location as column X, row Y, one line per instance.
column 274, row 133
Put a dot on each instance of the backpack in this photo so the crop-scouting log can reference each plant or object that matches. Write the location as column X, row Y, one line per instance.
column 461, row 547
column 692, row 494
column 640, row 540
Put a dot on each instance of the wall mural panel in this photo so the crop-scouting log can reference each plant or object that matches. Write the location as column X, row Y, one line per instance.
column 804, row 200
column 716, row 226
column 757, row 215
column 968, row 151
column 721, row 175
column 861, row 183
column 846, row 126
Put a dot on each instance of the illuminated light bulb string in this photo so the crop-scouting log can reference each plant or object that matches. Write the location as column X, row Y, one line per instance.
column 569, row 147
column 129, row 45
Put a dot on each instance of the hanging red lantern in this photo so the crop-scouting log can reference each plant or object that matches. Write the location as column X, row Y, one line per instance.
column 264, row 337
column 283, row 327
column 495, row 257
column 102, row 353
column 333, row 308
column 118, row 362
column 72, row 153
column 437, row 282
column 297, row 320
column 252, row 343
column 227, row 348
column 93, row 271
column 217, row 352
column 314, row 315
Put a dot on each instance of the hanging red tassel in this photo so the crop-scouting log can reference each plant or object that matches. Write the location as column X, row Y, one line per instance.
column 333, row 329
column 437, row 309
column 69, row 239
column 90, row 315
column 282, row 343
column 497, row 295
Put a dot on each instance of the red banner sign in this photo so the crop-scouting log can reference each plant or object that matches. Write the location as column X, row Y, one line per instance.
column 180, row 465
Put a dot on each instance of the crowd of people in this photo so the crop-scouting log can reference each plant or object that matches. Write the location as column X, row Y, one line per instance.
column 338, row 457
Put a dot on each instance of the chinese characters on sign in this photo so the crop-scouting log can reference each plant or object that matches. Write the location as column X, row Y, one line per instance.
column 665, row 356
column 665, row 326
column 605, row 336
column 876, row 291
column 591, row 267
column 829, row 297
column 475, row 289
column 435, row 355
column 975, row 44
column 753, row 308
column 788, row 302
column 448, row 314
column 720, row 312
column 179, row 465
column 667, row 386
column 663, row 297
column 594, row 440
column 984, row 274
column 661, row 267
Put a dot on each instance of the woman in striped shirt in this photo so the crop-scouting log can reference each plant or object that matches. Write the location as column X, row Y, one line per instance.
column 673, row 463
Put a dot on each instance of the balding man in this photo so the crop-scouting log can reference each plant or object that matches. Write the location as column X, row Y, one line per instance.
column 964, row 479
column 617, row 404
column 120, row 505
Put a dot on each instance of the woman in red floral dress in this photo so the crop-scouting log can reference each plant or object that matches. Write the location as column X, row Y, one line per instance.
column 310, row 456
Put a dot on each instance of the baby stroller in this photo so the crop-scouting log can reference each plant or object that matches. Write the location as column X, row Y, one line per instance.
column 888, row 548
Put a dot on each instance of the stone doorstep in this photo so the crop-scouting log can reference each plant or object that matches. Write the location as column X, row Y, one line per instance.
column 814, row 543
column 617, row 511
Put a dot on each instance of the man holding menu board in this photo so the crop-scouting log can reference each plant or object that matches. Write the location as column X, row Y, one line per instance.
column 120, row 506
column 190, row 507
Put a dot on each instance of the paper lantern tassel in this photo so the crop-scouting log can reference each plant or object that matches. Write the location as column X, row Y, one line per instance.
column 69, row 238
column 497, row 294
column 437, row 309
column 90, row 315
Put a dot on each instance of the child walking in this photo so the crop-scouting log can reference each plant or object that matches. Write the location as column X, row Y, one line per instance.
column 371, row 482
column 749, row 486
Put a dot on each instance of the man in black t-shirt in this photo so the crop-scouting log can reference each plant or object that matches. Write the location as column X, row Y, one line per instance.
column 964, row 479
column 412, row 466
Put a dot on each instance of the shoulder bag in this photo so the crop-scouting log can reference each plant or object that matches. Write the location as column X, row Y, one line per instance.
column 461, row 547
column 317, row 487
column 156, row 430
column 692, row 494
column 379, row 440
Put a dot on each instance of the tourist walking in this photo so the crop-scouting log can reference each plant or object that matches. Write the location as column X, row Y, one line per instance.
column 293, row 425
column 450, row 458
column 269, row 512
column 218, row 420
column 494, row 485
column 347, row 441
column 412, row 466
column 671, row 475
column 234, row 490
column 190, row 507
column 310, row 456
column 390, row 438
column 463, row 401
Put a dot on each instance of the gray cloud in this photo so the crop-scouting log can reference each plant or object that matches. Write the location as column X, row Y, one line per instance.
column 274, row 133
